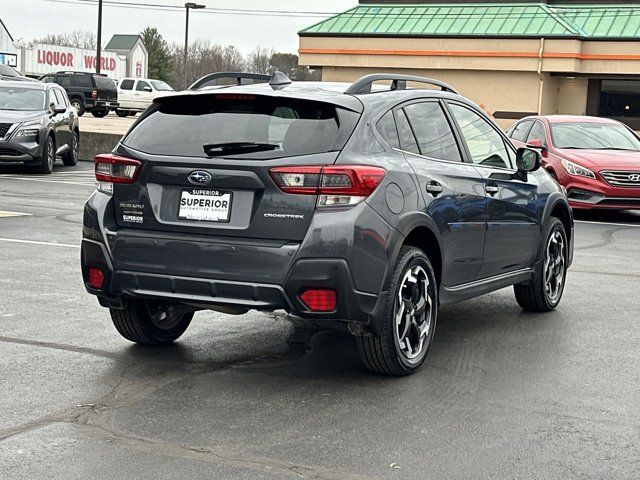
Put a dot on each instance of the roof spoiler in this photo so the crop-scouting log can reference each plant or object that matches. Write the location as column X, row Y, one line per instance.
column 398, row 82
column 237, row 76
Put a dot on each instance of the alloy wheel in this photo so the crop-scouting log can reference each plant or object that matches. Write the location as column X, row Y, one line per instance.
column 554, row 266
column 414, row 307
column 51, row 153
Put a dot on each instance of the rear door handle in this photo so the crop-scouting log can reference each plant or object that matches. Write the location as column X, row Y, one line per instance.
column 491, row 189
column 434, row 188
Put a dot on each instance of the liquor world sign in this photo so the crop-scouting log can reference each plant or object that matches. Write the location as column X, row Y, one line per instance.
column 43, row 59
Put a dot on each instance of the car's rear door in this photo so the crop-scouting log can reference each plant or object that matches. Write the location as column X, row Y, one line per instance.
column 452, row 190
column 197, row 178
column 143, row 94
column 512, row 205
column 125, row 93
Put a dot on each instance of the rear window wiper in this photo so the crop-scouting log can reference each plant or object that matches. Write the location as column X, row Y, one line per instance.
column 231, row 148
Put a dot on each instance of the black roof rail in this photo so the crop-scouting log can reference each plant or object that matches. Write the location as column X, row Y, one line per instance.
column 398, row 82
column 238, row 76
column 76, row 72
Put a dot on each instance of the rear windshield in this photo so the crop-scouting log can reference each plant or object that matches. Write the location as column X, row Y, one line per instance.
column 104, row 83
column 241, row 126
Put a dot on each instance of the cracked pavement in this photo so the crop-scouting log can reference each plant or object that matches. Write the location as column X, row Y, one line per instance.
column 503, row 394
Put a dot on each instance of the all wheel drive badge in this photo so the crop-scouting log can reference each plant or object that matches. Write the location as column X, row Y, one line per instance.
column 200, row 177
column 634, row 177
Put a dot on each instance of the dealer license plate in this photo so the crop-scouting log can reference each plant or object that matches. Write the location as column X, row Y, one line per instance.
column 205, row 205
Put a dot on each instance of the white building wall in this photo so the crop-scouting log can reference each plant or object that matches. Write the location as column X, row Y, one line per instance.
column 42, row 59
column 138, row 67
column 9, row 54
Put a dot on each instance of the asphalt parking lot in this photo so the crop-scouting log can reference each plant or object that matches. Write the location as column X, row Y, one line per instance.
column 503, row 394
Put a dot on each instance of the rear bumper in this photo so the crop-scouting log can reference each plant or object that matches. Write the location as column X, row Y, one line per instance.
column 108, row 104
column 332, row 273
column 206, row 271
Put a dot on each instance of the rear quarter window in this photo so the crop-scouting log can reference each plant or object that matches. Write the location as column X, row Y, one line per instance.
column 81, row 81
column 126, row 85
column 182, row 126
column 104, row 83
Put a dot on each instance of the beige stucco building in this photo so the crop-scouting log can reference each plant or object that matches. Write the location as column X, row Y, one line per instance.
column 512, row 59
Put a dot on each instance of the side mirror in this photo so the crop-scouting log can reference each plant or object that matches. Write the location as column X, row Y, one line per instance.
column 58, row 110
column 537, row 143
column 148, row 89
column 527, row 160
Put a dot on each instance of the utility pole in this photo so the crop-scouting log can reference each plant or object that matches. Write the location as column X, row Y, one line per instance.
column 187, row 6
column 99, row 39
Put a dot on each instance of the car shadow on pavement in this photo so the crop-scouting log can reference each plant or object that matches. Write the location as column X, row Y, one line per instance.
column 613, row 216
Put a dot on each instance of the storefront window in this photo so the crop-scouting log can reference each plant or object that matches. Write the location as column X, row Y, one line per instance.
column 620, row 98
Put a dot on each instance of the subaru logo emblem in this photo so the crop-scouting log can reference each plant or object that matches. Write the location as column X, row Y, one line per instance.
column 634, row 177
column 200, row 177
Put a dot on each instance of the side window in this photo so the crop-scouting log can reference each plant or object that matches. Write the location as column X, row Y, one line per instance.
column 432, row 130
column 386, row 127
column 485, row 144
column 537, row 133
column 520, row 131
column 407, row 138
column 55, row 97
column 62, row 95
column 47, row 79
column 63, row 80
column 81, row 81
column 140, row 86
column 126, row 85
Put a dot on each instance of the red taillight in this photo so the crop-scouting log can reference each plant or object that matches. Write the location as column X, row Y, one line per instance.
column 112, row 169
column 94, row 94
column 336, row 185
column 319, row 300
column 96, row 278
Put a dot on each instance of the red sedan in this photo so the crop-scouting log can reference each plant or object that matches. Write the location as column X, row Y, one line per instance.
column 596, row 159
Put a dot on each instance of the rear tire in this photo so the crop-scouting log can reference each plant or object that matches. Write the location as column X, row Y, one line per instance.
column 122, row 113
column 99, row 113
column 150, row 323
column 545, row 290
column 409, row 318
column 71, row 157
column 79, row 106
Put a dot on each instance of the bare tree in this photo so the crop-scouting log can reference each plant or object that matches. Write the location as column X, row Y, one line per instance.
column 259, row 59
column 77, row 39
column 203, row 58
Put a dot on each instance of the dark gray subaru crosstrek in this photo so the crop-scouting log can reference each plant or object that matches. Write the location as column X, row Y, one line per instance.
column 355, row 205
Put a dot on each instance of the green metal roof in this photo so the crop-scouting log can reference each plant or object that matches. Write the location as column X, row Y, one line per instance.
column 485, row 19
column 122, row 42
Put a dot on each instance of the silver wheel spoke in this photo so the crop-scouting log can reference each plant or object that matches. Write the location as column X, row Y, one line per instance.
column 413, row 313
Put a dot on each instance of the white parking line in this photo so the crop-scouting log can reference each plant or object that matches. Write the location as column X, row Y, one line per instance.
column 31, row 179
column 34, row 242
column 609, row 223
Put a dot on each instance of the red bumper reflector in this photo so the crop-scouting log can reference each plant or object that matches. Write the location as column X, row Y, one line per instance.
column 96, row 278
column 319, row 300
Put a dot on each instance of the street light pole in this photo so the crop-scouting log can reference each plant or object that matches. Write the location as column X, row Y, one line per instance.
column 99, row 39
column 187, row 6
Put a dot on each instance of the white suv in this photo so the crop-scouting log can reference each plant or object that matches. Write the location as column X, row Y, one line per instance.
column 136, row 94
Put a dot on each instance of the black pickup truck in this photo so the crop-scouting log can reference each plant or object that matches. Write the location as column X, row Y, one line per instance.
column 90, row 92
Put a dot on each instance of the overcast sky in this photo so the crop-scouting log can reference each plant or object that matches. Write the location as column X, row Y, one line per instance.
column 27, row 19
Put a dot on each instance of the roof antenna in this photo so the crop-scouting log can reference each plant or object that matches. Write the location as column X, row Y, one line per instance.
column 279, row 80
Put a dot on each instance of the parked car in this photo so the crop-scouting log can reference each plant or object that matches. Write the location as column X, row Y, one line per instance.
column 339, row 203
column 137, row 94
column 9, row 73
column 88, row 92
column 596, row 159
column 37, row 123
